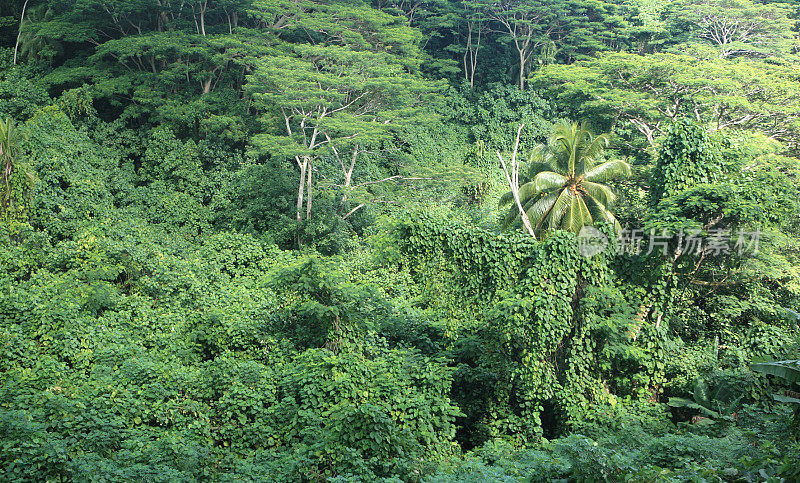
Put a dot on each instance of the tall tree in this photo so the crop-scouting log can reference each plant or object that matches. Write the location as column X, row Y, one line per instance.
column 564, row 187
column 330, row 96
column 685, row 159
column 352, row 87
column 525, row 24
column 649, row 92
column 735, row 27
column 475, row 27
column 582, row 28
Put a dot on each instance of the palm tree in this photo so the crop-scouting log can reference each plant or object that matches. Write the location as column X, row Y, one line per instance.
column 564, row 187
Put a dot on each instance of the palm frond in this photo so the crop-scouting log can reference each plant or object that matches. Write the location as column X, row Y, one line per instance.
column 560, row 206
column 601, row 213
column 538, row 155
column 512, row 214
column 536, row 168
column 594, row 150
column 541, row 158
column 577, row 216
column 563, row 187
column 543, row 181
column 599, row 192
column 608, row 170
column 507, row 198
column 539, row 207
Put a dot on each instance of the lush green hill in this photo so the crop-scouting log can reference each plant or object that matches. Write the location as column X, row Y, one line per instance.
column 351, row 241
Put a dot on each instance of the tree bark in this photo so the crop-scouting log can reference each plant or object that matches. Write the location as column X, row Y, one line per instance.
column 19, row 31
column 512, row 176
column 348, row 175
column 470, row 59
column 203, row 8
column 301, row 189
column 308, row 197
column 300, row 193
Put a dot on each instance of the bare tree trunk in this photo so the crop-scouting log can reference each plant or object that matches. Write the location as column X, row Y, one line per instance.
column 300, row 193
column 474, row 66
column 512, row 176
column 19, row 31
column 644, row 128
column 308, row 200
column 467, row 50
column 301, row 189
column 353, row 210
column 203, row 8
column 470, row 59
column 348, row 175
column 163, row 20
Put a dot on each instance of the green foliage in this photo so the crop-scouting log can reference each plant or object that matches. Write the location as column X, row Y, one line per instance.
column 786, row 370
column 717, row 404
column 20, row 95
column 563, row 187
column 648, row 92
column 627, row 455
column 538, row 304
column 17, row 179
column 257, row 245
column 686, row 159
column 734, row 27
column 789, row 372
column 357, row 415
column 496, row 113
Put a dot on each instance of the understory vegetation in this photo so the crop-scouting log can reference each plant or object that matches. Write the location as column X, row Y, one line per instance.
column 439, row 241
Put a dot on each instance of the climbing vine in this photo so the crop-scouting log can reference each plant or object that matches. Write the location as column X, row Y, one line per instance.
column 686, row 159
column 561, row 333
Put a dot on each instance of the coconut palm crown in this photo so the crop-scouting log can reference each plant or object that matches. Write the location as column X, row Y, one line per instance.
column 564, row 187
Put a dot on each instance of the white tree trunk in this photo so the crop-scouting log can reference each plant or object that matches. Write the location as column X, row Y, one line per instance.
column 19, row 31
column 512, row 176
column 308, row 197
column 301, row 189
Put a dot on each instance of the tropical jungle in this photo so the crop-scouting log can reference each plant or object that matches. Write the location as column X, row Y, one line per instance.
column 400, row 240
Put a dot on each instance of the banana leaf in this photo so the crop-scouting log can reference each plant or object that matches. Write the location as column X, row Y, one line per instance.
column 787, row 370
column 679, row 402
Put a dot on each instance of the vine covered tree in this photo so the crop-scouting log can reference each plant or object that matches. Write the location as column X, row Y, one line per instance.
column 686, row 159
column 8, row 146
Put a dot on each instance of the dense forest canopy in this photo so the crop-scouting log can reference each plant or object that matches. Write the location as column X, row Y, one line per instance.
column 413, row 240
